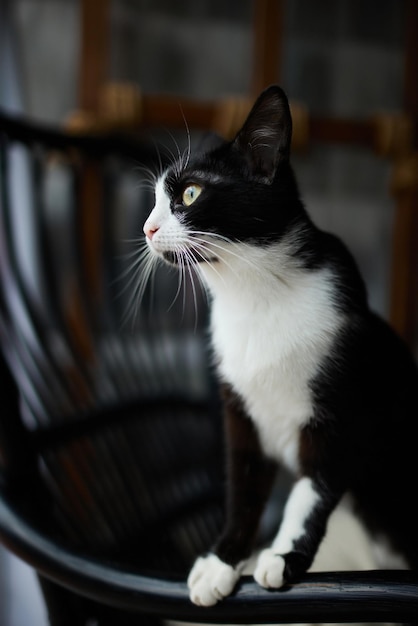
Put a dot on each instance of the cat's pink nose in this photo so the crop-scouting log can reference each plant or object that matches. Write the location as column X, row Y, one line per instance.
column 150, row 229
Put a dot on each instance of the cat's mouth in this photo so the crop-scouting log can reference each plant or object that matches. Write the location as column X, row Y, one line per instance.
column 187, row 258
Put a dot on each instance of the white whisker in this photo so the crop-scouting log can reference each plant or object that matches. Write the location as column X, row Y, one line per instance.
column 176, row 160
column 192, row 262
column 183, row 265
column 140, row 240
column 187, row 150
column 235, row 244
column 137, row 255
column 205, row 246
column 211, row 265
column 129, row 273
column 142, row 270
column 180, row 281
column 147, row 173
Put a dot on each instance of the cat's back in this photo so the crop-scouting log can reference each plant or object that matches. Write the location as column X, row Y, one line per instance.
column 386, row 425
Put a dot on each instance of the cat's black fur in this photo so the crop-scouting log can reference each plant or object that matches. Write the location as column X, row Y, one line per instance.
column 361, row 436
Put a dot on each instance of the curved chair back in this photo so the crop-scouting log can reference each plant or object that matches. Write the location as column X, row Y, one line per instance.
column 110, row 439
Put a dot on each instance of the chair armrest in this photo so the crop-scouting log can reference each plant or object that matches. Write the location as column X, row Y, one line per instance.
column 389, row 596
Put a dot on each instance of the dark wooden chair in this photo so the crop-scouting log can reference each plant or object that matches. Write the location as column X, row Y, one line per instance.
column 110, row 438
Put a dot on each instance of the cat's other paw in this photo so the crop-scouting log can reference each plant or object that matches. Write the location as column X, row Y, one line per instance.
column 211, row 580
column 269, row 571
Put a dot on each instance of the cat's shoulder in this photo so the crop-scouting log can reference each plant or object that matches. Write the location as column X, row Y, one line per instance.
column 350, row 291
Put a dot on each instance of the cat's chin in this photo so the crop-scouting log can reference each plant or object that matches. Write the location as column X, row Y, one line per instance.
column 173, row 258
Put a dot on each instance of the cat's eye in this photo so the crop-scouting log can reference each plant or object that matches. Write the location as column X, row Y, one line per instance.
column 190, row 194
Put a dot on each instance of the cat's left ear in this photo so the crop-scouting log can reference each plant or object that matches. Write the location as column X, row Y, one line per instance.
column 265, row 137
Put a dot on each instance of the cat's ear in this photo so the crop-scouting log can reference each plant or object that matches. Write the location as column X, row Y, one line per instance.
column 265, row 137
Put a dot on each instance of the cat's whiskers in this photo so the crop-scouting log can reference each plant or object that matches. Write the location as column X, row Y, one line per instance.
column 147, row 177
column 184, row 271
column 147, row 173
column 135, row 258
column 208, row 246
column 230, row 242
column 204, row 250
column 145, row 279
column 177, row 162
column 185, row 157
column 186, row 260
column 189, row 256
column 137, row 241
column 161, row 166
column 180, row 281
column 145, row 186
column 187, row 151
column 196, row 263
column 128, row 276
column 143, row 270
column 192, row 253
column 240, row 257
column 198, row 247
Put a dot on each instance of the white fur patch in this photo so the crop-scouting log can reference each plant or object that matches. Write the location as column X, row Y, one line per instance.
column 300, row 504
column 272, row 323
column 270, row 564
column 170, row 233
column 211, row 580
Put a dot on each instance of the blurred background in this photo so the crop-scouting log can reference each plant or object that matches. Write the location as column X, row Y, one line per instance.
column 338, row 58
column 346, row 60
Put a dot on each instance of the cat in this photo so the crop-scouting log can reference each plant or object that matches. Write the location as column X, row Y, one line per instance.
column 311, row 378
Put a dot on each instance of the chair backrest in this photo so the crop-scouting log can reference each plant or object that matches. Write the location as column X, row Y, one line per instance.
column 116, row 403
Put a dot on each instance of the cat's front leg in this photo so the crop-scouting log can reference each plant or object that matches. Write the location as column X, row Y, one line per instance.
column 250, row 477
column 303, row 526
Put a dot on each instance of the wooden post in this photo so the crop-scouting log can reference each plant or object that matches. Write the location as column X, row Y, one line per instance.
column 93, row 69
column 267, row 43
column 94, row 52
column 404, row 279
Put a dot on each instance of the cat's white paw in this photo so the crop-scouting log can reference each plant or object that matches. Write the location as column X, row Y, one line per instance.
column 211, row 580
column 269, row 570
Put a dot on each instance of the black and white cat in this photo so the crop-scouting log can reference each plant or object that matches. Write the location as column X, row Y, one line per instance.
column 311, row 378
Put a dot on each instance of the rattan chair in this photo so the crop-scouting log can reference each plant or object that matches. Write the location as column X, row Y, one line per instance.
column 110, row 433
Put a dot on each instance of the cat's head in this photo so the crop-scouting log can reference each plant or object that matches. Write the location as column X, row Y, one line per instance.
column 240, row 191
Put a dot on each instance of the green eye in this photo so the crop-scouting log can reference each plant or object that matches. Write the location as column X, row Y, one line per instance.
column 190, row 194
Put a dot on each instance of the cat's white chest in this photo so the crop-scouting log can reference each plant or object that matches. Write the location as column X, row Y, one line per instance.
column 269, row 345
